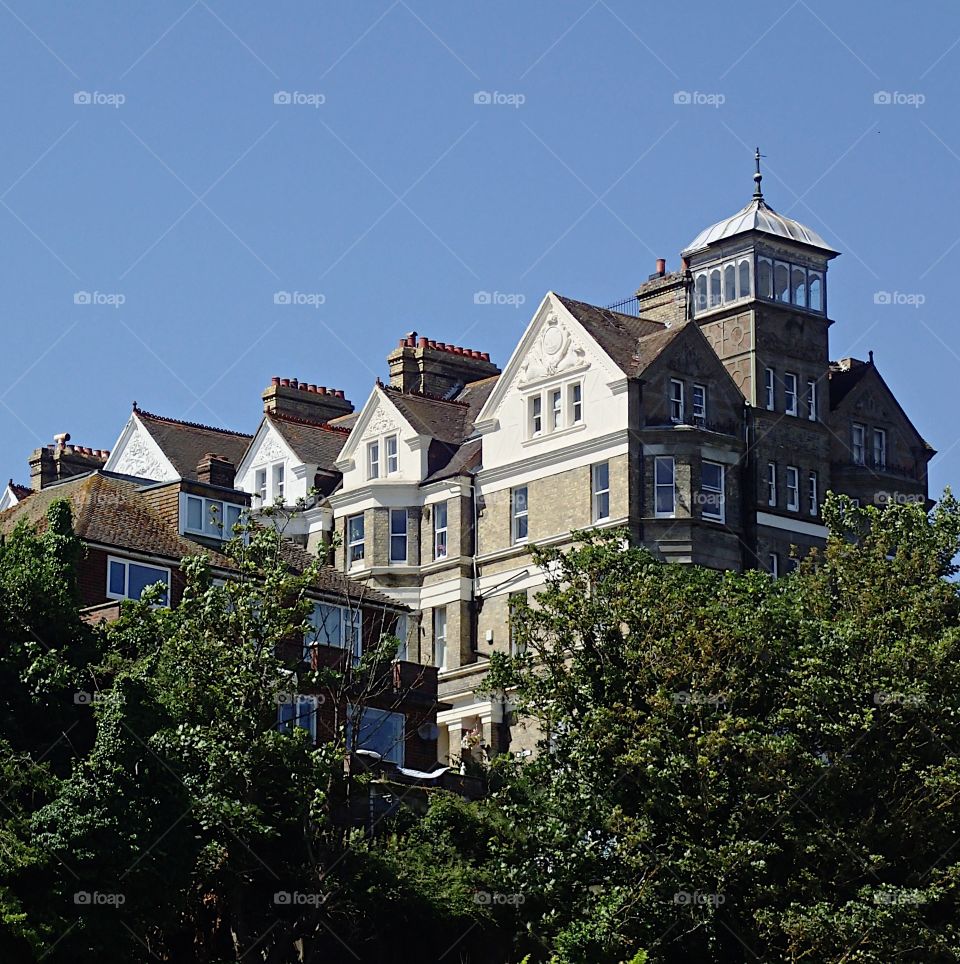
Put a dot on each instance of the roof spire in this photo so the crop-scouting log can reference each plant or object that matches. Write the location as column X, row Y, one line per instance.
column 757, row 178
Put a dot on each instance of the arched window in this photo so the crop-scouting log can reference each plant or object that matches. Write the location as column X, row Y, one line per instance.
column 781, row 282
column 744, row 272
column 729, row 282
column 700, row 298
column 764, row 278
column 715, row 294
column 799, row 285
column 816, row 291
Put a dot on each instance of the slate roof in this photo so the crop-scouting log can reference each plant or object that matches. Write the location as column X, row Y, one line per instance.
column 617, row 334
column 464, row 460
column 186, row 443
column 314, row 443
column 113, row 511
column 441, row 419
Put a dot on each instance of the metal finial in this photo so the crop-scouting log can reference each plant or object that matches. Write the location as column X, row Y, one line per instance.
column 758, row 177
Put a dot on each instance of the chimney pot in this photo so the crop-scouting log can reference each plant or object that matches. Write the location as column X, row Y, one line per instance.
column 275, row 380
column 661, row 266
column 285, row 382
column 423, row 342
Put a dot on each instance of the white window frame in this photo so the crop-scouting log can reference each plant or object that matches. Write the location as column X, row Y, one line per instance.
column 277, row 478
column 773, row 561
column 879, row 448
column 676, row 400
column 517, row 514
column 439, row 621
column 858, row 443
column 395, row 515
column 348, row 623
column 440, row 530
column 769, row 384
column 373, row 459
column 556, row 409
column 790, row 384
column 391, row 446
column 719, row 515
column 352, row 544
column 303, row 707
column 793, row 488
column 575, row 397
column 535, row 416
column 127, row 563
column 699, row 407
column 814, row 493
column 260, row 483
column 222, row 531
column 401, row 631
column 659, row 460
column 811, row 400
column 600, row 491
column 771, row 483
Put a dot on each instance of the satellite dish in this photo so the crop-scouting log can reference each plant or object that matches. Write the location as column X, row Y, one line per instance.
column 428, row 731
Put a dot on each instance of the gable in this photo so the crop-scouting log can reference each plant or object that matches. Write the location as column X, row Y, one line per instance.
column 555, row 344
column 8, row 498
column 379, row 416
column 267, row 446
column 137, row 453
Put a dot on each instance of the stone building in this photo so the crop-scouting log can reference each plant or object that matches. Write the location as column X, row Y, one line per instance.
column 703, row 415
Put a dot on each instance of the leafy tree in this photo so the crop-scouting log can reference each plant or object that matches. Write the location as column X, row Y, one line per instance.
column 735, row 768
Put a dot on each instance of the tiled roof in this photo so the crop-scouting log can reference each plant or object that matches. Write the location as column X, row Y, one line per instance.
column 651, row 347
column 438, row 418
column 314, row 443
column 464, row 460
column 844, row 377
column 20, row 491
column 475, row 394
column 617, row 334
column 186, row 443
column 112, row 511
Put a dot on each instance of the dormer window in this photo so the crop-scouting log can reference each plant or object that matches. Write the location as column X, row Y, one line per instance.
column 212, row 518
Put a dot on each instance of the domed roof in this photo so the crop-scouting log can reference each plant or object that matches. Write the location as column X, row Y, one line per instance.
column 758, row 216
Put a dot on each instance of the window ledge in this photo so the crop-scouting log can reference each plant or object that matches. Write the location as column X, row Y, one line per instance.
column 558, row 433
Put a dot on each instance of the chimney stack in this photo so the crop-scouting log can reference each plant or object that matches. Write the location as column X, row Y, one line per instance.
column 315, row 403
column 420, row 364
column 62, row 460
column 662, row 297
column 216, row 470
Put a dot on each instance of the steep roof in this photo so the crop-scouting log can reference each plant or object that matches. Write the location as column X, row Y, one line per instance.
column 186, row 443
column 113, row 511
column 474, row 394
column 314, row 443
column 617, row 334
column 442, row 419
column 463, row 461
column 20, row 491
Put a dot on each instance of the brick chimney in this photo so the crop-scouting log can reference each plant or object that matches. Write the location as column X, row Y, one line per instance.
column 216, row 470
column 316, row 403
column 662, row 297
column 63, row 460
column 424, row 365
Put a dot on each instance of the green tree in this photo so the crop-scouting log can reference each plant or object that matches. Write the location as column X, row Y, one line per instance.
column 735, row 768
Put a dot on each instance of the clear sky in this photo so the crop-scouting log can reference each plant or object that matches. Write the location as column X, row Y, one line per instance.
column 181, row 197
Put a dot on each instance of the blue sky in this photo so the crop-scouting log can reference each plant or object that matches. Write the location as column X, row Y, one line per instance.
column 182, row 197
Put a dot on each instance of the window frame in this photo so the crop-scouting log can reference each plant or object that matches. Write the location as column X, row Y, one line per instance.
column 790, row 395
column 278, row 475
column 127, row 563
column 772, row 484
column 773, row 561
column 535, row 416
column 814, row 493
column 598, row 493
column 260, row 483
column 353, row 543
column 289, row 725
column 700, row 415
column 438, row 529
column 556, row 409
column 720, row 515
column 769, row 386
column 517, row 515
column 812, row 400
column 396, row 753
column 676, row 401
column 391, row 445
column 880, row 435
column 793, row 491
column 659, row 460
column 223, row 531
column 855, row 429
column 439, row 643
column 373, row 459
column 405, row 536
column 575, row 402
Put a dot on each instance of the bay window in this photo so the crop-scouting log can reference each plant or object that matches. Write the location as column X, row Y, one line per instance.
column 440, row 530
column 398, row 536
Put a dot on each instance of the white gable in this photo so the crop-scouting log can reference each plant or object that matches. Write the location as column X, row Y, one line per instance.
column 555, row 354
column 137, row 454
column 380, row 419
column 269, row 448
column 8, row 499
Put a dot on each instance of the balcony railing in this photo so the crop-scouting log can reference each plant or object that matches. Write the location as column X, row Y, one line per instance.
column 886, row 467
column 629, row 306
